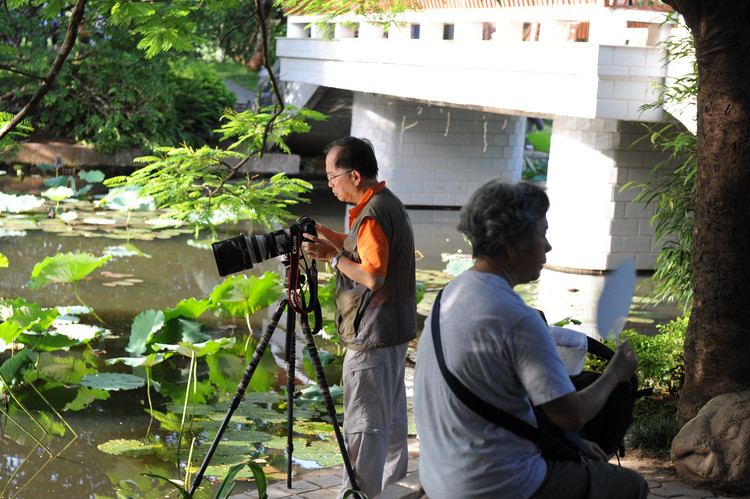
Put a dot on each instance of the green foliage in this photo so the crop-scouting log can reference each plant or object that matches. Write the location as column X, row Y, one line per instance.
column 21, row 131
column 661, row 367
column 660, row 357
column 107, row 94
column 112, row 381
column 193, row 185
column 534, row 169
column 379, row 12
column 540, row 139
column 653, row 433
column 671, row 189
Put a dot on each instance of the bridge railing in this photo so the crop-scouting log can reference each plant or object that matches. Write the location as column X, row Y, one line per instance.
column 489, row 4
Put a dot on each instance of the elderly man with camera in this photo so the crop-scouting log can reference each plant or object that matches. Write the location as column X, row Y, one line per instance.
column 375, row 312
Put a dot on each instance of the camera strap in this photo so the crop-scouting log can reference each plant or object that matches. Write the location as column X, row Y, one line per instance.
column 297, row 299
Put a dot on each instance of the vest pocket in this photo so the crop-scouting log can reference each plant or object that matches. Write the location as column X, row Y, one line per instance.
column 347, row 306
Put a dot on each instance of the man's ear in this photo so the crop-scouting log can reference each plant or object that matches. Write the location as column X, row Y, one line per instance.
column 356, row 177
column 511, row 251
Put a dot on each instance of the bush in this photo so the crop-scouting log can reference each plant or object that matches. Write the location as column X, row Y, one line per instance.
column 110, row 97
column 661, row 367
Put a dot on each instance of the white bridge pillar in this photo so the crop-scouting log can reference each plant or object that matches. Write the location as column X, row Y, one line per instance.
column 434, row 157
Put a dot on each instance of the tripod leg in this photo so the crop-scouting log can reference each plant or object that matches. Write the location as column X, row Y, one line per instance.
column 330, row 407
column 290, row 377
column 261, row 348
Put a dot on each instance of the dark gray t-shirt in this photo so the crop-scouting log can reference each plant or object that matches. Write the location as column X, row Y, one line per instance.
column 501, row 350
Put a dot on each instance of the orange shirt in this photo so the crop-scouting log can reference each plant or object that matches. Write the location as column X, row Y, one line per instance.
column 372, row 244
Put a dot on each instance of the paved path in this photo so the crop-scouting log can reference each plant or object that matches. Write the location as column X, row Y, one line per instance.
column 325, row 483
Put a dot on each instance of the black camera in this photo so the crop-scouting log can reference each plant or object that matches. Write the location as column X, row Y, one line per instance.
column 243, row 252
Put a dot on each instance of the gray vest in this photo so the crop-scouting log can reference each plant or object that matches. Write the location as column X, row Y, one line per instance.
column 367, row 319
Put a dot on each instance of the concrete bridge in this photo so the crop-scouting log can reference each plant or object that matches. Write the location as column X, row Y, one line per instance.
column 445, row 94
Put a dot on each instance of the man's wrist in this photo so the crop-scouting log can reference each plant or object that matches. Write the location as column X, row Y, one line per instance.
column 335, row 260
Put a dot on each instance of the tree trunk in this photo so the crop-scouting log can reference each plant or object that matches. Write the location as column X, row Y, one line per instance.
column 717, row 345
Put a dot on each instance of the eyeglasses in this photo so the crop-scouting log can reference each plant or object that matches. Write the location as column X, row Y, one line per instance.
column 331, row 177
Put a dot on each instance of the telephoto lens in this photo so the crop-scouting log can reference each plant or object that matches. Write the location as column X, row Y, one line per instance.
column 243, row 252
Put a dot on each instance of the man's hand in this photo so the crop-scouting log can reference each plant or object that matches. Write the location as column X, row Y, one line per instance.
column 594, row 451
column 318, row 248
column 625, row 361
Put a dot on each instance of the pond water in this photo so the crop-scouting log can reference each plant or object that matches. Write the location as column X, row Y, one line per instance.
column 145, row 273
column 157, row 274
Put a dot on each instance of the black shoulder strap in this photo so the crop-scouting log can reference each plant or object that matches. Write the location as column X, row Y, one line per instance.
column 478, row 405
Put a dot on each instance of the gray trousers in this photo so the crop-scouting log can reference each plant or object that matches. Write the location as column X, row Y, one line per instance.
column 594, row 480
column 375, row 421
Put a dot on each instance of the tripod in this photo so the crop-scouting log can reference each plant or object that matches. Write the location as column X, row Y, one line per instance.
column 294, row 293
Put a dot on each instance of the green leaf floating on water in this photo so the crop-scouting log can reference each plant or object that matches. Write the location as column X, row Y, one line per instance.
column 147, row 361
column 112, row 381
column 65, row 267
column 126, row 447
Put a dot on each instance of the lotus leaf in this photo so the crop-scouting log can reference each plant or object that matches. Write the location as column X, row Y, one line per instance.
column 63, row 369
column 126, row 447
column 198, row 349
column 84, row 397
column 91, row 176
column 128, row 199
column 124, row 250
column 60, row 180
column 144, row 326
column 28, row 315
column 240, row 295
column 12, row 203
column 83, row 333
column 100, row 221
column 9, row 331
column 64, row 267
column 57, row 194
column 324, row 452
column 147, row 361
column 159, row 223
column 13, row 369
column 190, row 308
column 47, row 342
column 68, row 216
column 280, row 443
column 226, row 371
column 112, row 381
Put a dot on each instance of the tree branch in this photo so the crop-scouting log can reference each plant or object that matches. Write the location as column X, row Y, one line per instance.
column 70, row 40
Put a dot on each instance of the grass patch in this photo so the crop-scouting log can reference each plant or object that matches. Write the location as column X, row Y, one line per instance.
column 229, row 70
